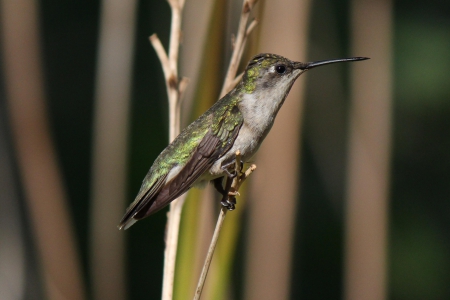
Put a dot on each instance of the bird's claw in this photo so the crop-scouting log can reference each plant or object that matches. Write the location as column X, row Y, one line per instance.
column 229, row 197
column 234, row 172
column 231, row 174
column 229, row 204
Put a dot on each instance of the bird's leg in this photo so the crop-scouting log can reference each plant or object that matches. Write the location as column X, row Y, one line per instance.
column 226, row 202
column 227, row 166
column 224, row 192
column 218, row 186
column 230, row 176
column 228, row 197
column 232, row 185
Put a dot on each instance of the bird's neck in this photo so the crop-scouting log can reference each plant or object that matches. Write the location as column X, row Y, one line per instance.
column 260, row 108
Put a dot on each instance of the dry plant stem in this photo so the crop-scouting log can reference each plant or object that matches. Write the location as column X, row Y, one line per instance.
column 175, row 89
column 240, row 179
column 237, row 182
column 250, row 28
column 237, row 79
column 212, row 247
column 182, row 88
column 239, row 44
column 173, row 93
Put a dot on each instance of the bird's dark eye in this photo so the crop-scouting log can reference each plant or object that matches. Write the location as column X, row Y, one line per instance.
column 280, row 69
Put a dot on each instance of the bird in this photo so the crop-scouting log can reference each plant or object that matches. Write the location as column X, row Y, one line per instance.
column 205, row 150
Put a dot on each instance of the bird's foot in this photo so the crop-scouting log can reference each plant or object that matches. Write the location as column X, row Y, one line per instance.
column 232, row 170
column 232, row 165
column 226, row 193
column 229, row 202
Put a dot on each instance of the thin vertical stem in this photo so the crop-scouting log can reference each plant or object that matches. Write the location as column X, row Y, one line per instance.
column 243, row 30
column 369, row 152
column 113, row 84
column 212, row 247
column 13, row 261
column 174, row 89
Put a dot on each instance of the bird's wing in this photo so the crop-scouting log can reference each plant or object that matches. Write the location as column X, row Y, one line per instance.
column 217, row 141
column 209, row 150
column 147, row 192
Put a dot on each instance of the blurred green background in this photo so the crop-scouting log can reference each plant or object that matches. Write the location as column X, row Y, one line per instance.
column 419, row 208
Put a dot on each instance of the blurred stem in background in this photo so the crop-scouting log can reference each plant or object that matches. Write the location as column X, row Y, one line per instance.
column 41, row 178
column 274, row 188
column 369, row 152
column 109, row 172
column 14, row 270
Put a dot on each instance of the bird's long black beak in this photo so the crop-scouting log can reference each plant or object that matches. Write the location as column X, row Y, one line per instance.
column 310, row 65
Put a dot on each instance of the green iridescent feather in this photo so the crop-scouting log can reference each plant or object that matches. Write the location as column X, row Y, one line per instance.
column 222, row 118
column 252, row 72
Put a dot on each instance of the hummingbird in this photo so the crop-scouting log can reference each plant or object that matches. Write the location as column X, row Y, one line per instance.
column 205, row 150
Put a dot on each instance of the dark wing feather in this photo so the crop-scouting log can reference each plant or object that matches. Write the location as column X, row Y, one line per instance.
column 141, row 201
column 209, row 150
column 201, row 160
